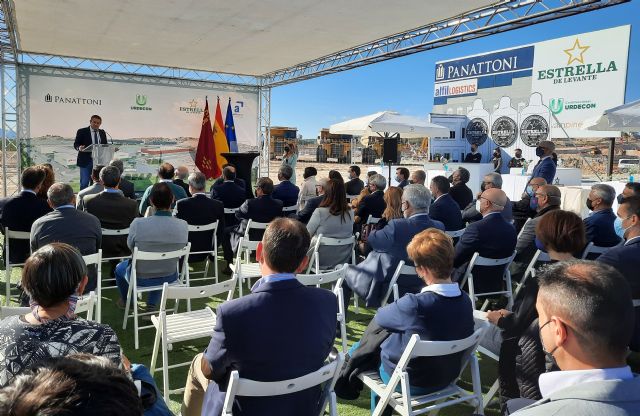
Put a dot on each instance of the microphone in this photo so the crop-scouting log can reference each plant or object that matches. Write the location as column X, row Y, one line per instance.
column 109, row 136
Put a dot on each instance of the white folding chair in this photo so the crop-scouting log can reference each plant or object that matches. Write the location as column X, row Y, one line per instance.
column 393, row 285
column 247, row 270
column 539, row 256
column 351, row 197
column 8, row 235
column 455, row 234
column 124, row 232
column 594, row 249
column 336, row 277
column 96, row 259
column 290, row 210
column 213, row 227
column 172, row 327
column 478, row 260
column 231, row 210
column 522, row 229
column 373, row 220
column 409, row 405
column 84, row 304
column 134, row 291
column 314, row 261
column 636, row 303
column 326, row 375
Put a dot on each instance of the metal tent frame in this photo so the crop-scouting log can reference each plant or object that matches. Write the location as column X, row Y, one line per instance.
column 496, row 18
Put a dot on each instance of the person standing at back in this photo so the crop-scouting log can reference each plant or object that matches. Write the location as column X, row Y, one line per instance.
column 545, row 167
column 474, row 156
column 290, row 158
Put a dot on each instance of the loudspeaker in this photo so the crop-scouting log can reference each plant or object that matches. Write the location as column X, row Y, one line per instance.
column 390, row 151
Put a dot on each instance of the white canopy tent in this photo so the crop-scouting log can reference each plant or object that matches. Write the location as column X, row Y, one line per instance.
column 624, row 118
column 389, row 123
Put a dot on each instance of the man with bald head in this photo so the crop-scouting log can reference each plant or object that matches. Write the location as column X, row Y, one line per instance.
column 525, row 208
column 491, row 237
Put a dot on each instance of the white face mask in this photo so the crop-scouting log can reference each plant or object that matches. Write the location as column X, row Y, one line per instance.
column 478, row 205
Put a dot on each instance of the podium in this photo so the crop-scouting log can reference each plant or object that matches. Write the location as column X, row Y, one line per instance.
column 102, row 154
column 243, row 163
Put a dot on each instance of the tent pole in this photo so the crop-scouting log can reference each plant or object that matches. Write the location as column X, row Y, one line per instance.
column 612, row 147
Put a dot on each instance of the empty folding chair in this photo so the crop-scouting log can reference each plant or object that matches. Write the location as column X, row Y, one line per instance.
column 212, row 228
column 594, row 249
column 96, row 259
column 341, row 244
column 335, row 277
column 288, row 211
column 172, row 327
column 8, row 236
column 326, row 375
column 245, row 269
column 134, row 291
column 539, row 256
column 407, row 404
column 123, row 233
column 478, row 260
column 373, row 220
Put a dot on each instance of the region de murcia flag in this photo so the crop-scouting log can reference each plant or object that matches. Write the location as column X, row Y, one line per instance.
column 220, row 144
column 206, row 153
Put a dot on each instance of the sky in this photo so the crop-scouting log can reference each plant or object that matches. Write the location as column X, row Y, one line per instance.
column 406, row 84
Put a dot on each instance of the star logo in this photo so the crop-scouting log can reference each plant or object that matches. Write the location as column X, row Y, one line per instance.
column 575, row 53
column 193, row 103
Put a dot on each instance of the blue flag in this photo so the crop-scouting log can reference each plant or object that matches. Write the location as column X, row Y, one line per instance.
column 230, row 129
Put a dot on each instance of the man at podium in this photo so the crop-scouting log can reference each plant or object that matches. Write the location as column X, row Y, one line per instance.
column 85, row 137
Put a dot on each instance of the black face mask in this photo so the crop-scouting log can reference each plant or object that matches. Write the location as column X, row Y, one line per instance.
column 539, row 151
column 287, row 148
column 589, row 204
column 482, row 187
column 231, row 177
column 518, row 155
column 620, row 198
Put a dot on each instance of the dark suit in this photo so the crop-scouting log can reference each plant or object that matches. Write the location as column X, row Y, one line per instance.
column 462, row 194
column 183, row 185
column 473, row 158
column 373, row 205
column 491, row 237
column 404, row 183
column 389, row 246
column 83, row 138
column 445, row 210
column 599, row 228
column 68, row 225
column 354, row 186
column 19, row 214
column 115, row 212
column 286, row 192
column 305, row 215
column 200, row 210
column 231, row 195
column 248, row 339
column 127, row 188
column 261, row 209
column 545, row 168
column 238, row 181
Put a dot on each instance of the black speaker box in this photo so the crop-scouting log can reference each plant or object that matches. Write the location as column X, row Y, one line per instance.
column 390, row 151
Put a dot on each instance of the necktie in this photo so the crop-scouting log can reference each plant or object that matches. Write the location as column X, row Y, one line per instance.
column 95, row 137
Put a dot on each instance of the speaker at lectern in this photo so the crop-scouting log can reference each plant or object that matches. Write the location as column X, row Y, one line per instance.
column 102, row 154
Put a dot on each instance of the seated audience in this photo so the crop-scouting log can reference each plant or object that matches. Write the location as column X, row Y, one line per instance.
column 160, row 232
column 114, row 211
column 95, row 188
column 444, row 207
column 229, row 193
column 263, row 208
column 182, row 173
column 370, row 279
column 335, row 175
column 286, row 191
column 402, row 177
column 630, row 189
column 577, row 303
column 65, row 224
column 238, row 181
column 418, row 177
column 53, row 277
column 517, row 161
column 460, row 192
column 626, row 257
column 372, row 205
column 599, row 223
column 310, row 206
column 490, row 180
column 354, row 185
column 491, row 237
column 308, row 188
column 267, row 349
column 393, row 200
column 49, row 179
column 20, row 212
column 333, row 219
column 546, row 199
column 201, row 210
column 165, row 175
column 514, row 334
column 526, row 207
column 127, row 187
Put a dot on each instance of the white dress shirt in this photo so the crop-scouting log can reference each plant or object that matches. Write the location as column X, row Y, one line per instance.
column 558, row 380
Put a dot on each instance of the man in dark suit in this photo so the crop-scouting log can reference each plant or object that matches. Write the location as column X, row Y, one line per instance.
column 491, row 237
column 599, row 224
column 114, row 211
column 248, row 337
column 201, row 210
column 355, row 185
column 182, row 173
column 20, row 212
column 286, row 191
column 263, row 208
column 626, row 257
column 460, row 192
column 546, row 167
column 490, row 180
column 444, row 208
column 67, row 225
column 229, row 193
column 236, row 180
column 474, row 156
column 370, row 279
column 86, row 137
column 373, row 204
column 125, row 186
column 402, row 177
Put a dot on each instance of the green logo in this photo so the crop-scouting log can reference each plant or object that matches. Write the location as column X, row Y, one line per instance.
column 141, row 100
column 556, row 105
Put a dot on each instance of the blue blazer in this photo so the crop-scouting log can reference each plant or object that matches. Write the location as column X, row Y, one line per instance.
column 491, row 237
column 286, row 192
column 373, row 205
column 446, row 210
column 282, row 330
column 389, row 246
column 599, row 228
column 545, row 169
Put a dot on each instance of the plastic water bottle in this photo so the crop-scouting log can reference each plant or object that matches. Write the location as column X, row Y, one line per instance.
column 631, row 178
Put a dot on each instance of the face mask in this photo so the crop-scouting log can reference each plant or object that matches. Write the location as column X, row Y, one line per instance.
column 482, row 187
column 231, row 177
column 398, row 178
column 529, row 190
column 539, row 151
column 287, row 148
column 533, row 204
column 589, row 204
column 620, row 198
column 478, row 206
column 550, row 359
column 451, row 179
column 539, row 245
column 411, row 181
column 619, row 228
column 518, row 155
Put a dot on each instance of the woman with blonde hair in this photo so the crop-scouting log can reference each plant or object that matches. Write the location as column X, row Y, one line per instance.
column 393, row 198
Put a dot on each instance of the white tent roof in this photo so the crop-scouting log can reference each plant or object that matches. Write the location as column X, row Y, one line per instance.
column 625, row 118
column 389, row 122
column 240, row 37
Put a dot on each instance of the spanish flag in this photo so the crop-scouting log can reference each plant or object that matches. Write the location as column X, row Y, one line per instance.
column 220, row 143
